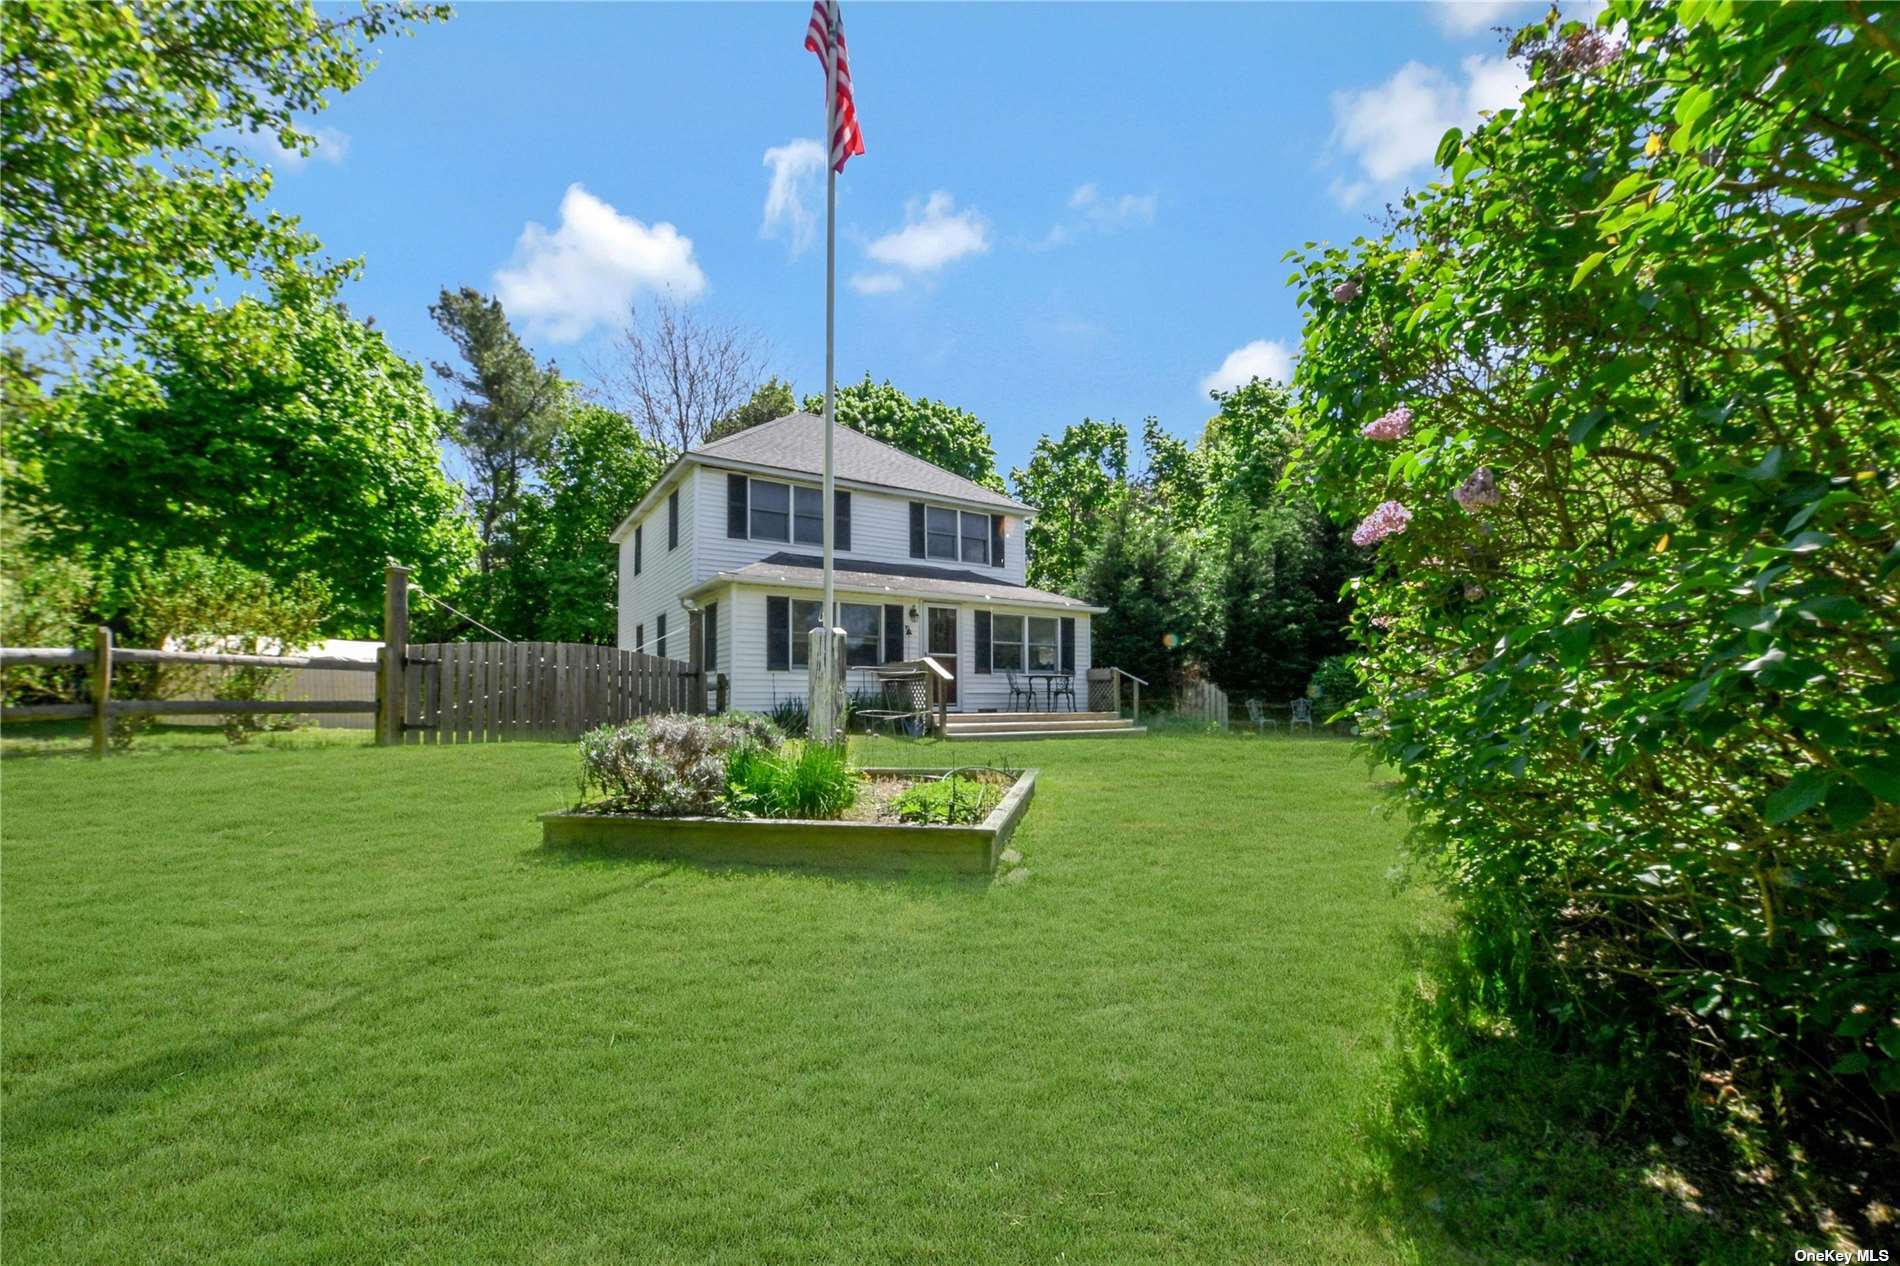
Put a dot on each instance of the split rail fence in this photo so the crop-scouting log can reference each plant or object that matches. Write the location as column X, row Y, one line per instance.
column 435, row 692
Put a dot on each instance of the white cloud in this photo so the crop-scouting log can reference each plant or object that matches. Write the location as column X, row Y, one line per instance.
column 333, row 146
column 586, row 272
column 790, row 199
column 1113, row 213
column 1467, row 17
column 1103, row 214
column 935, row 233
column 1393, row 129
column 877, row 283
column 1258, row 359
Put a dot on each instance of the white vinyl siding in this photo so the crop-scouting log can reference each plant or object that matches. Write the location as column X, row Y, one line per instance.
column 665, row 573
column 880, row 532
column 742, row 650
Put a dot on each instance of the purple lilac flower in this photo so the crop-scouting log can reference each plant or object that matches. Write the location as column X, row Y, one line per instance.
column 1478, row 491
column 1346, row 291
column 1388, row 520
column 1395, row 424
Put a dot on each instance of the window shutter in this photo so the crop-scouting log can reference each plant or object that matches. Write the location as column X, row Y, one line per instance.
column 673, row 520
column 639, row 535
column 996, row 540
column 893, row 631
column 712, row 637
column 840, row 519
column 778, row 634
column 916, row 529
column 659, row 636
column 736, row 507
column 1068, row 644
column 640, row 638
column 982, row 641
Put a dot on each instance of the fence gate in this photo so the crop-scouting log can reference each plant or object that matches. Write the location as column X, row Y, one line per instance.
column 481, row 692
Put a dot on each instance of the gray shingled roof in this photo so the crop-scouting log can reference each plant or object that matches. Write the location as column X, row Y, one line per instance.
column 807, row 572
column 797, row 442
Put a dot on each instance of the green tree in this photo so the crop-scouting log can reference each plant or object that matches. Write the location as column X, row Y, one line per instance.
column 770, row 400
column 1076, row 481
column 1272, row 579
column 120, row 166
column 597, row 470
column 277, row 433
column 952, row 438
column 1614, row 405
column 509, row 412
column 1146, row 581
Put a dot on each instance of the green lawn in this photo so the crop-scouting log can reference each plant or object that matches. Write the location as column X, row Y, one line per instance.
column 336, row 1003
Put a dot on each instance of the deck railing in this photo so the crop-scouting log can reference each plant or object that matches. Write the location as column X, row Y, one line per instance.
column 1105, row 690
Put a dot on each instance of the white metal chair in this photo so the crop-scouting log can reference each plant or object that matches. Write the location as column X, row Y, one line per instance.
column 1302, row 715
column 1257, row 713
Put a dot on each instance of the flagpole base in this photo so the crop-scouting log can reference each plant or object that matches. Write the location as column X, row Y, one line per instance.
column 825, row 686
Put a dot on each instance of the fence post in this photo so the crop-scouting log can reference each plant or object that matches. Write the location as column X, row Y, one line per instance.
column 101, row 691
column 395, row 644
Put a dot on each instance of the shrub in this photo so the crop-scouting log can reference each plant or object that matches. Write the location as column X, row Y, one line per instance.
column 669, row 764
column 1613, row 410
column 800, row 780
column 953, row 801
column 1335, row 684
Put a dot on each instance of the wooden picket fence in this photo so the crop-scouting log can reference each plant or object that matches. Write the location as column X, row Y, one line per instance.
column 484, row 692
column 1201, row 701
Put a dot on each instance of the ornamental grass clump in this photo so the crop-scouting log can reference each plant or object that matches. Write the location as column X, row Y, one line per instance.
column 669, row 764
column 1645, row 709
column 798, row 780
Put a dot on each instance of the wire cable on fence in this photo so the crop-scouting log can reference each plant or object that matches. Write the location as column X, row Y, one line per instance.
column 463, row 614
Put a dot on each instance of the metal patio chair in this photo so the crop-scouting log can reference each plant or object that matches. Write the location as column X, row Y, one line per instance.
column 1021, row 689
column 1062, row 688
column 1302, row 715
column 1257, row 713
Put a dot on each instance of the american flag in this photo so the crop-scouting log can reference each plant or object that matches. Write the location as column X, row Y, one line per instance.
column 825, row 37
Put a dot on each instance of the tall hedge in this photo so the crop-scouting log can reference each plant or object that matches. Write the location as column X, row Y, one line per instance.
column 1615, row 411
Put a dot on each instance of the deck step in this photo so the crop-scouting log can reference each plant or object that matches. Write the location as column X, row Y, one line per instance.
column 956, row 717
column 968, row 736
column 1003, row 727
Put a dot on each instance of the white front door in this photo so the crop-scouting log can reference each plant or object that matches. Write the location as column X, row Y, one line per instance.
column 940, row 641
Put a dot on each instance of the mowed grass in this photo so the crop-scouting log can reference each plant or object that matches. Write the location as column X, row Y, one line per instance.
column 337, row 1003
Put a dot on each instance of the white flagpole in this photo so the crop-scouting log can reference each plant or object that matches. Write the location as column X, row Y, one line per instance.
column 831, row 287
column 824, row 685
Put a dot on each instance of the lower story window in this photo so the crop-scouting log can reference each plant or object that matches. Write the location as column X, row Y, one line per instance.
column 804, row 620
column 1025, row 643
column 863, row 625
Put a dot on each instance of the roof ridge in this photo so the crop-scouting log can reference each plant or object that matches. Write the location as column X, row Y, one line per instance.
column 750, row 430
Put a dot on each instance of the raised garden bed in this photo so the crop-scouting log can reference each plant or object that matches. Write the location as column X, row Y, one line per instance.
column 871, row 839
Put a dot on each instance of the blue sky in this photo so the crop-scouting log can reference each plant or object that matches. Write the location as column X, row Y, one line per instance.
column 1065, row 210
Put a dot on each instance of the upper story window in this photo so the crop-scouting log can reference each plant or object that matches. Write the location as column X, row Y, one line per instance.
column 767, row 510
column 955, row 535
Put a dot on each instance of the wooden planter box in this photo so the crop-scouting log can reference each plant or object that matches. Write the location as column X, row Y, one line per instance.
column 801, row 842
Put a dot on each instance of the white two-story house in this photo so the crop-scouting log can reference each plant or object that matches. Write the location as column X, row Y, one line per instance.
column 926, row 563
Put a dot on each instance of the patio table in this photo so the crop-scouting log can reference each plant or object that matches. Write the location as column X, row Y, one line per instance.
column 1048, row 681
